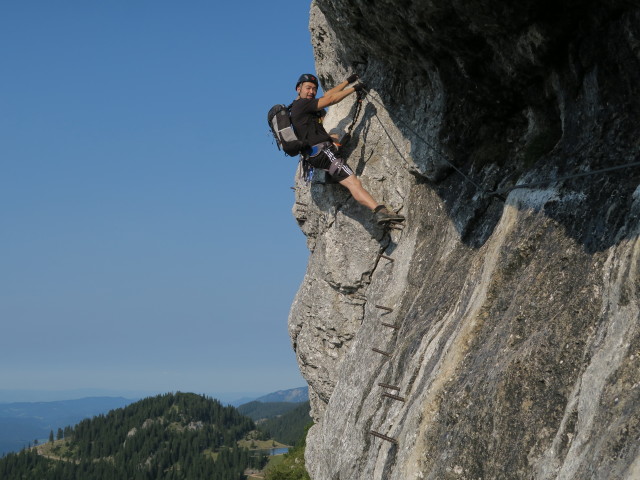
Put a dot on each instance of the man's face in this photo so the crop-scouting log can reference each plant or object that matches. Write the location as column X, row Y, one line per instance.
column 307, row 90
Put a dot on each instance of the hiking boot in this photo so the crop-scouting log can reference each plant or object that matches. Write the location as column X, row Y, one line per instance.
column 384, row 215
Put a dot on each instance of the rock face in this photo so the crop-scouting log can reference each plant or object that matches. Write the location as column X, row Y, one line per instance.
column 516, row 347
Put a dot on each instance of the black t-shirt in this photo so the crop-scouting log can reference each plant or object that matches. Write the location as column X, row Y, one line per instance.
column 307, row 121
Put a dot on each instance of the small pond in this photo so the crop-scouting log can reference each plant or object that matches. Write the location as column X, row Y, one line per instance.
column 271, row 451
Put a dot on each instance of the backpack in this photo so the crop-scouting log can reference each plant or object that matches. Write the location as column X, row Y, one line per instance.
column 279, row 119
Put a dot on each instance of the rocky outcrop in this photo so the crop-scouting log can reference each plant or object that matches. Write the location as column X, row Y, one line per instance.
column 514, row 285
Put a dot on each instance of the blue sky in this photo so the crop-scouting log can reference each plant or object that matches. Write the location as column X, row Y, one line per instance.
column 147, row 242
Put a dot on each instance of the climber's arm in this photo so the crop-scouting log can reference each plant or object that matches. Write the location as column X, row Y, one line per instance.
column 335, row 95
column 337, row 88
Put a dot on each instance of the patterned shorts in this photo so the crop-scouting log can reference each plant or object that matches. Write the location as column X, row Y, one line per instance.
column 325, row 157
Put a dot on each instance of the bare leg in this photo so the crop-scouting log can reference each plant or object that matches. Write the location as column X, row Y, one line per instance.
column 359, row 193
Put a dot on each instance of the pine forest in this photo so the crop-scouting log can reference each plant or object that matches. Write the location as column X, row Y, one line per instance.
column 168, row 437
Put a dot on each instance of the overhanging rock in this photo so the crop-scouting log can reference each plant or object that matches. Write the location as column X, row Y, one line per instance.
column 515, row 342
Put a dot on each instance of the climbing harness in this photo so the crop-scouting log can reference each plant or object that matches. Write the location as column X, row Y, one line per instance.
column 336, row 162
column 306, row 171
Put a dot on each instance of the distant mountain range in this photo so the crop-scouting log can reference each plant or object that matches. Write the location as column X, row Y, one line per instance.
column 23, row 422
column 294, row 395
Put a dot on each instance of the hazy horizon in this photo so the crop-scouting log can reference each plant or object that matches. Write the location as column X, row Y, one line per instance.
column 32, row 396
column 132, row 259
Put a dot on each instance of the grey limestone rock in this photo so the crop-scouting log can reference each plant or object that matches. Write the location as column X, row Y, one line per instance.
column 517, row 348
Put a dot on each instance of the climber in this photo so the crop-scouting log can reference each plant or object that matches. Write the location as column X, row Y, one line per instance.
column 307, row 113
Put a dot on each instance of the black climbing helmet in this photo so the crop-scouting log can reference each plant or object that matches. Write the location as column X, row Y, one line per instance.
column 307, row 77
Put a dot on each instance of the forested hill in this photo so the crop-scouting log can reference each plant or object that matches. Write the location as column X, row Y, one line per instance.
column 288, row 428
column 171, row 436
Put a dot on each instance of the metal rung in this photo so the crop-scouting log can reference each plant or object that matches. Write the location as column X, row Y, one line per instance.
column 386, row 354
column 391, row 325
column 384, row 308
column 386, row 385
column 383, row 437
column 301, row 204
column 394, row 397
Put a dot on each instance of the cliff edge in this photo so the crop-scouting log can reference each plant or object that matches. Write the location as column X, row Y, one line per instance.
column 505, row 314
